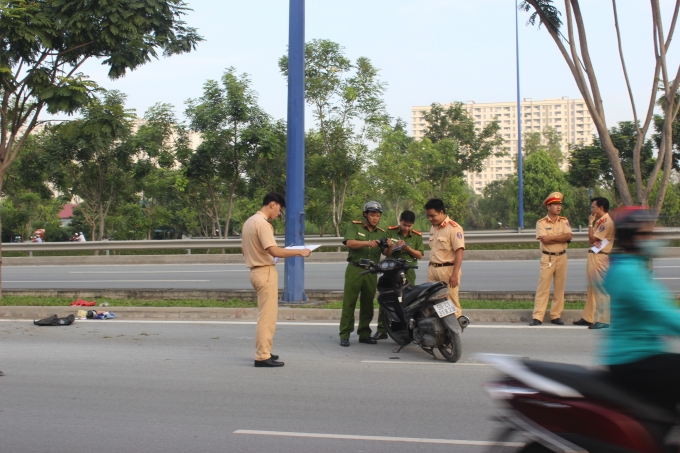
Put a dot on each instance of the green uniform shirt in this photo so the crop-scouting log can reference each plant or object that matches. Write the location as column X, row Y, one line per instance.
column 413, row 240
column 358, row 231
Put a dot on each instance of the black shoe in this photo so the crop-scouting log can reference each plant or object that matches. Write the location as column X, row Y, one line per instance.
column 367, row 340
column 379, row 336
column 557, row 321
column 344, row 341
column 535, row 322
column 274, row 356
column 269, row 363
column 599, row 325
column 582, row 322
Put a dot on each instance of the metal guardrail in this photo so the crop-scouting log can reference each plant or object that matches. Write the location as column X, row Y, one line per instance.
column 188, row 244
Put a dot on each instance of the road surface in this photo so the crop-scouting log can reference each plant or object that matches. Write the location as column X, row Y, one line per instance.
column 122, row 386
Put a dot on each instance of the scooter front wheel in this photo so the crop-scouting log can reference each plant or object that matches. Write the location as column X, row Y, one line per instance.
column 452, row 347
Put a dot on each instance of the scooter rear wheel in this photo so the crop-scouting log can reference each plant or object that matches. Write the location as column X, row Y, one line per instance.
column 451, row 348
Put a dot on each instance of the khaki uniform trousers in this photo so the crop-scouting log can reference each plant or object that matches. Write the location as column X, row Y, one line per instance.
column 552, row 267
column 443, row 274
column 597, row 299
column 265, row 281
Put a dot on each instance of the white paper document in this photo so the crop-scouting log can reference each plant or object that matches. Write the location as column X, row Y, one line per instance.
column 603, row 244
column 300, row 247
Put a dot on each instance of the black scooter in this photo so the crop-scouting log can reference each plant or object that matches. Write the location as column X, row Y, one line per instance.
column 422, row 314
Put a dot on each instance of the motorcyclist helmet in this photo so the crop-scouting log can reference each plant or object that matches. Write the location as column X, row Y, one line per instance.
column 373, row 206
column 630, row 222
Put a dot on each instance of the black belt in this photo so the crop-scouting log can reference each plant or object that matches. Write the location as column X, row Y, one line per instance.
column 441, row 264
column 553, row 254
column 599, row 253
column 355, row 264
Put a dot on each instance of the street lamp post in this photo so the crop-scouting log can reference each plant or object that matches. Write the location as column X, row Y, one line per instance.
column 294, row 273
column 519, row 127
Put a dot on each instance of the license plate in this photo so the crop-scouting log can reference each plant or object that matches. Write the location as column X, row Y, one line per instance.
column 445, row 308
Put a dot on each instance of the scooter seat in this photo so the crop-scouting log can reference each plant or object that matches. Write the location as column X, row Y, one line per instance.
column 599, row 386
column 412, row 294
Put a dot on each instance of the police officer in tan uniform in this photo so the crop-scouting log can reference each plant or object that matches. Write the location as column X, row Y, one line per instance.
column 259, row 249
column 600, row 228
column 447, row 246
column 554, row 233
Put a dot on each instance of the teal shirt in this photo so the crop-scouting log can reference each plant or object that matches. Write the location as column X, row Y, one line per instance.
column 359, row 232
column 642, row 313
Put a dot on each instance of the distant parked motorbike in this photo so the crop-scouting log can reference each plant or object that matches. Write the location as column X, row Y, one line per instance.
column 569, row 408
column 422, row 314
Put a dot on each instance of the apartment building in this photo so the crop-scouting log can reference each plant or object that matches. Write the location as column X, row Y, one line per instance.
column 570, row 117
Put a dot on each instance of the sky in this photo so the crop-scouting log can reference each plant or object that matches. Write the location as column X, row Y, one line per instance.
column 427, row 51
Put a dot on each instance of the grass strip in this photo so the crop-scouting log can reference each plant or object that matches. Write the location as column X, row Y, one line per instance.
column 238, row 303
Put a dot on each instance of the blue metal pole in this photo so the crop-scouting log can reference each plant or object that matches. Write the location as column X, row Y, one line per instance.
column 519, row 127
column 294, row 277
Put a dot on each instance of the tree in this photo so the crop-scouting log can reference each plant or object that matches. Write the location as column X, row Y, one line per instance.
column 228, row 118
column 589, row 166
column 93, row 157
column 45, row 43
column 576, row 53
column 346, row 99
column 397, row 168
column 550, row 141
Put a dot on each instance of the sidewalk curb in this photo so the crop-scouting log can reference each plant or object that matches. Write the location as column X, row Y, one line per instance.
column 250, row 314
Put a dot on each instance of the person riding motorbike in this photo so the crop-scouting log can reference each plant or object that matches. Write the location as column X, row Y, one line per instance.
column 642, row 314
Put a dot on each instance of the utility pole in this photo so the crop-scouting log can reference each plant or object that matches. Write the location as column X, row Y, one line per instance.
column 294, row 276
column 520, row 181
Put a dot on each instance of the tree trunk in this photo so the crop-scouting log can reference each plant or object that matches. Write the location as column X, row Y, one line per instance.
column 216, row 219
column 2, row 177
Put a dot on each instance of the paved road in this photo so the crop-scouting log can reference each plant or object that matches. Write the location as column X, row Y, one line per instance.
column 477, row 276
column 117, row 386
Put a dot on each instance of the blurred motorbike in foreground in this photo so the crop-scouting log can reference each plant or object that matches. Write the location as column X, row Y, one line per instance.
column 569, row 408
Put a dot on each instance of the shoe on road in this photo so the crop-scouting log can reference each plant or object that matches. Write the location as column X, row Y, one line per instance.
column 367, row 340
column 557, row 321
column 379, row 336
column 599, row 325
column 344, row 341
column 582, row 322
column 269, row 363
column 535, row 322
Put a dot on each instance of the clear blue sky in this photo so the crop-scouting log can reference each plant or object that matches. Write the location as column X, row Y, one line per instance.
column 428, row 51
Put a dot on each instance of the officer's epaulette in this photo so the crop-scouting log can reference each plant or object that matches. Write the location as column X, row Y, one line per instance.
column 393, row 227
column 416, row 232
column 564, row 218
column 357, row 222
column 542, row 219
column 378, row 228
column 453, row 224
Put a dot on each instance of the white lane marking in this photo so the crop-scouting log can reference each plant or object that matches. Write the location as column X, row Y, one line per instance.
column 157, row 272
column 526, row 326
column 665, row 267
column 423, row 363
column 99, row 281
column 666, row 278
column 278, row 323
column 419, row 440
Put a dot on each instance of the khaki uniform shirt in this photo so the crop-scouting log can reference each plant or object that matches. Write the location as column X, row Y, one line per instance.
column 604, row 229
column 445, row 239
column 257, row 236
column 546, row 227
column 358, row 231
column 413, row 240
